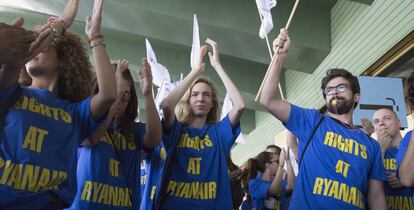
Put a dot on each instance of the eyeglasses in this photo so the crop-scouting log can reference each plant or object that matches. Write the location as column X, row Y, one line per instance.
column 339, row 88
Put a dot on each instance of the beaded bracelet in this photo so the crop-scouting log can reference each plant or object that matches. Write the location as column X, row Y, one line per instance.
column 98, row 43
column 60, row 20
column 56, row 36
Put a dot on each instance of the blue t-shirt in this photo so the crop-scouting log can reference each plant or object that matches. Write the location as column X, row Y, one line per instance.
column 108, row 171
column 396, row 199
column 154, row 163
column 259, row 193
column 337, row 166
column 143, row 175
column 403, row 148
column 199, row 177
column 38, row 146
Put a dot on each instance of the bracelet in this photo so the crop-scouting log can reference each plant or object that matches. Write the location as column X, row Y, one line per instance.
column 94, row 38
column 60, row 20
column 98, row 43
column 56, row 36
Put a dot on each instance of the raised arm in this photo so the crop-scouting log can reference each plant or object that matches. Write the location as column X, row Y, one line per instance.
column 291, row 178
column 292, row 143
column 276, row 187
column 275, row 105
column 237, row 99
column 153, row 131
column 102, row 101
column 169, row 103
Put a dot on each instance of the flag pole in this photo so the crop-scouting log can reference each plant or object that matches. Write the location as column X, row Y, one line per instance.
column 275, row 55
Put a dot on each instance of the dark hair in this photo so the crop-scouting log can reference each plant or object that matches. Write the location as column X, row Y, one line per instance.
column 254, row 165
column 409, row 90
column 124, row 125
column 272, row 146
column 334, row 73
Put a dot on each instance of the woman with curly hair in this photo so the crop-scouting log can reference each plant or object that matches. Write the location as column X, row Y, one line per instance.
column 116, row 146
column 405, row 154
column 42, row 130
column 196, row 176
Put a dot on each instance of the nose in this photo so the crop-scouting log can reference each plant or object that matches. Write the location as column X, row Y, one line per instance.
column 200, row 97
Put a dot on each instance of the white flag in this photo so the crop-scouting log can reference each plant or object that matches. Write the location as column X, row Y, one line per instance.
column 264, row 7
column 195, row 48
column 226, row 108
column 163, row 92
column 159, row 72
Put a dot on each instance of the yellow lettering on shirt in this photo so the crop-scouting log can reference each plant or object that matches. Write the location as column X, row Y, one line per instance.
column 194, row 143
column 350, row 146
column 34, row 139
column 193, row 190
column 106, row 194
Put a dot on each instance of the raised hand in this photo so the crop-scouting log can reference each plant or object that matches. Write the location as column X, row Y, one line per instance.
column 384, row 139
column 199, row 68
column 93, row 23
column 145, row 78
column 69, row 13
column 282, row 157
column 282, row 43
column 393, row 181
column 214, row 57
column 15, row 42
column 367, row 126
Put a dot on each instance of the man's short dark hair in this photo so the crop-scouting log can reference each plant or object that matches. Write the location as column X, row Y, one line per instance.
column 334, row 73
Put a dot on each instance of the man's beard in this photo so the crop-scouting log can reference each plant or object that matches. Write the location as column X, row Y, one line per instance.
column 342, row 106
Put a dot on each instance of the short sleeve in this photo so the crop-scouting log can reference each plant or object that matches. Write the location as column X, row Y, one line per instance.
column 403, row 148
column 377, row 170
column 302, row 121
column 228, row 133
column 86, row 122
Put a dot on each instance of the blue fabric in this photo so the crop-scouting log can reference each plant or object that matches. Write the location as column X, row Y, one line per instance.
column 403, row 148
column 154, row 162
column 199, row 177
column 284, row 198
column 38, row 147
column 245, row 205
column 337, row 165
column 108, row 171
column 396, row 199
column 262, row 201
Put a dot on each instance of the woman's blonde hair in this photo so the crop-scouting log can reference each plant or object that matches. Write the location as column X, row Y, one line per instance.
column 183, row 109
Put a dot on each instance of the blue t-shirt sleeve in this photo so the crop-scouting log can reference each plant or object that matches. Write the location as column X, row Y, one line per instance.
column 87, row 123
column 377, row 170
column 259, row 189
column 403, row 148
column 169, row 133
column 302, row 121
column 228, row 133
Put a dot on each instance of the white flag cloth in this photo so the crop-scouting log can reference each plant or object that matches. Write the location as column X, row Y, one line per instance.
column 226, row 108
column 159, row 72
column 163, row 92
column 264, row 7
column 195, row 48
column 293, row 162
